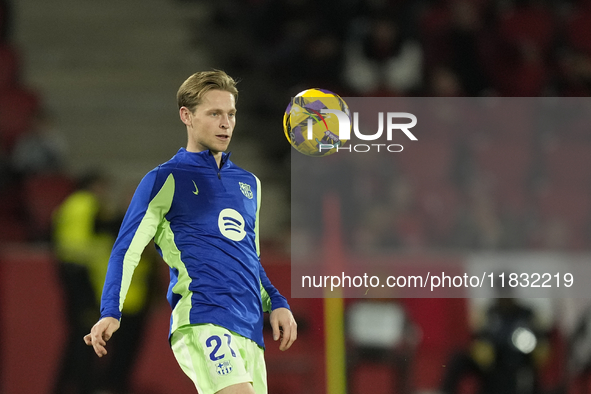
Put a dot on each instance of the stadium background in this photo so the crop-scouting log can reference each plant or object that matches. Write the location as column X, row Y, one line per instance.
column 105, row 76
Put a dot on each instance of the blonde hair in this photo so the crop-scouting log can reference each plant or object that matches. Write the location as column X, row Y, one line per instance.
column 191, row 92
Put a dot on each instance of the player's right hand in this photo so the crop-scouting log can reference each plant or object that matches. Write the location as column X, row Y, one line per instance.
column 101, row 332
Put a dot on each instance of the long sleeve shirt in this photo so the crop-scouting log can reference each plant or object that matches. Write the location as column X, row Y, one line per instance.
column 205, row 223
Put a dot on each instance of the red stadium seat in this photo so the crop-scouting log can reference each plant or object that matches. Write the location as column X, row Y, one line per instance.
column 12, row 230
column 17, row 107
column 13, row 227
column 533, row 25
column 526, row 80
column 8, row 67
column 443, row 324
column 373, row 378
column 301, row 372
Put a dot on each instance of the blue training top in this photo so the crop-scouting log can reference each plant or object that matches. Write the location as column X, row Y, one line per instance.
column 205, row 223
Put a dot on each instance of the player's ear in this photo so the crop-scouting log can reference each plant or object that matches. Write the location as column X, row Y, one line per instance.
column 185, row 115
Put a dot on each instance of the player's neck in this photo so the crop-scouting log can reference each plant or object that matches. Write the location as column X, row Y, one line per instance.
column 216, row 155
column 218, row 158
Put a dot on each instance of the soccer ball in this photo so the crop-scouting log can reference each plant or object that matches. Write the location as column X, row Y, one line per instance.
column 303, row 111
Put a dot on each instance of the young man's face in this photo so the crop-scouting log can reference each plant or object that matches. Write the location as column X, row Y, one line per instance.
column 211, row 125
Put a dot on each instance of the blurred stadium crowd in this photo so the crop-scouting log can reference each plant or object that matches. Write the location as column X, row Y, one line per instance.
column 419, row 48
column 497, row 189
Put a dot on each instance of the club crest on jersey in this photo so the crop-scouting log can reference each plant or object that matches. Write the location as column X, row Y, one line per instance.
column 224, row 367
column 245, row 189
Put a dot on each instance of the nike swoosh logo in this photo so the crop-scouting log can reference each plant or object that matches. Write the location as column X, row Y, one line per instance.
column 196, row 192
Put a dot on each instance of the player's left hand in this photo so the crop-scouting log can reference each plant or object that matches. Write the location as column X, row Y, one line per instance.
column 284, row 327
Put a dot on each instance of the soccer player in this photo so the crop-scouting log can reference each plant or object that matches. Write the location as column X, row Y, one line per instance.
column 202, row 212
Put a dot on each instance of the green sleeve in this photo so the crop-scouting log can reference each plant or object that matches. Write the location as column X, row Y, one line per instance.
column 265, row 298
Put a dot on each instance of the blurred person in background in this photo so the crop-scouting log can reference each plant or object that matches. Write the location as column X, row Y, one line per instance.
column 454, row 38
column 579, row 354
column 116, row 372
column 42, row 149
column 465, row 41
column 81, row 246
column 85, row 227
column 506, row 353
column 380, row 58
